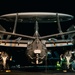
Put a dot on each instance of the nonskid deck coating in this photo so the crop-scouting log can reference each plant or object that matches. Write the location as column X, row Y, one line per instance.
column 16, row 72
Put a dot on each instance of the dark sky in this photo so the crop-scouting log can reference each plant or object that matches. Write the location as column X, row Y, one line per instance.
column 64, row 6
column 61, row 6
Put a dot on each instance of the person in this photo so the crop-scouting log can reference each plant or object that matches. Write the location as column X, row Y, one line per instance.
column 0, row 62
column 63, row 63
column 68, row 56
column 4, row 57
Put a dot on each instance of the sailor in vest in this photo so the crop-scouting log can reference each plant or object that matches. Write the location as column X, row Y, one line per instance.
column 4, row 57
column 68, row 56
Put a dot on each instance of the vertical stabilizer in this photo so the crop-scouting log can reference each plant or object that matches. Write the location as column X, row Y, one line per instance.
column 36, row 29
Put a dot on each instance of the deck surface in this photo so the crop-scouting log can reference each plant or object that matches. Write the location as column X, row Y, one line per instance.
column 19, row 72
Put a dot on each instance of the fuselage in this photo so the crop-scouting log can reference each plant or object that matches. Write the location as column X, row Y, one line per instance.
column 36, row 51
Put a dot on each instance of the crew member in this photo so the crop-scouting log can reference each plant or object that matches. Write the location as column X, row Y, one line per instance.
column 4, row 57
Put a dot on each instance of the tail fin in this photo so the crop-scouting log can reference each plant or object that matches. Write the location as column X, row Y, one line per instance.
column 36, row 29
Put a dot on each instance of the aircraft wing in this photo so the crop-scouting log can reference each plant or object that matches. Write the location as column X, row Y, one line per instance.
column 14, row 43
column 32, row 37
column 58, row 34
column 58, row 43
column 15, row 34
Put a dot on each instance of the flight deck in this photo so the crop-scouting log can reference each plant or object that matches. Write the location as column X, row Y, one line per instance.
column 19, row 72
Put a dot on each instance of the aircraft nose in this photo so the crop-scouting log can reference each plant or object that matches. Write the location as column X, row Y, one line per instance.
column 37, row 51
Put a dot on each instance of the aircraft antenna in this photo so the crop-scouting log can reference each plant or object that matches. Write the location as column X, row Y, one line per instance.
column 14, row 30
column 59, row 26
